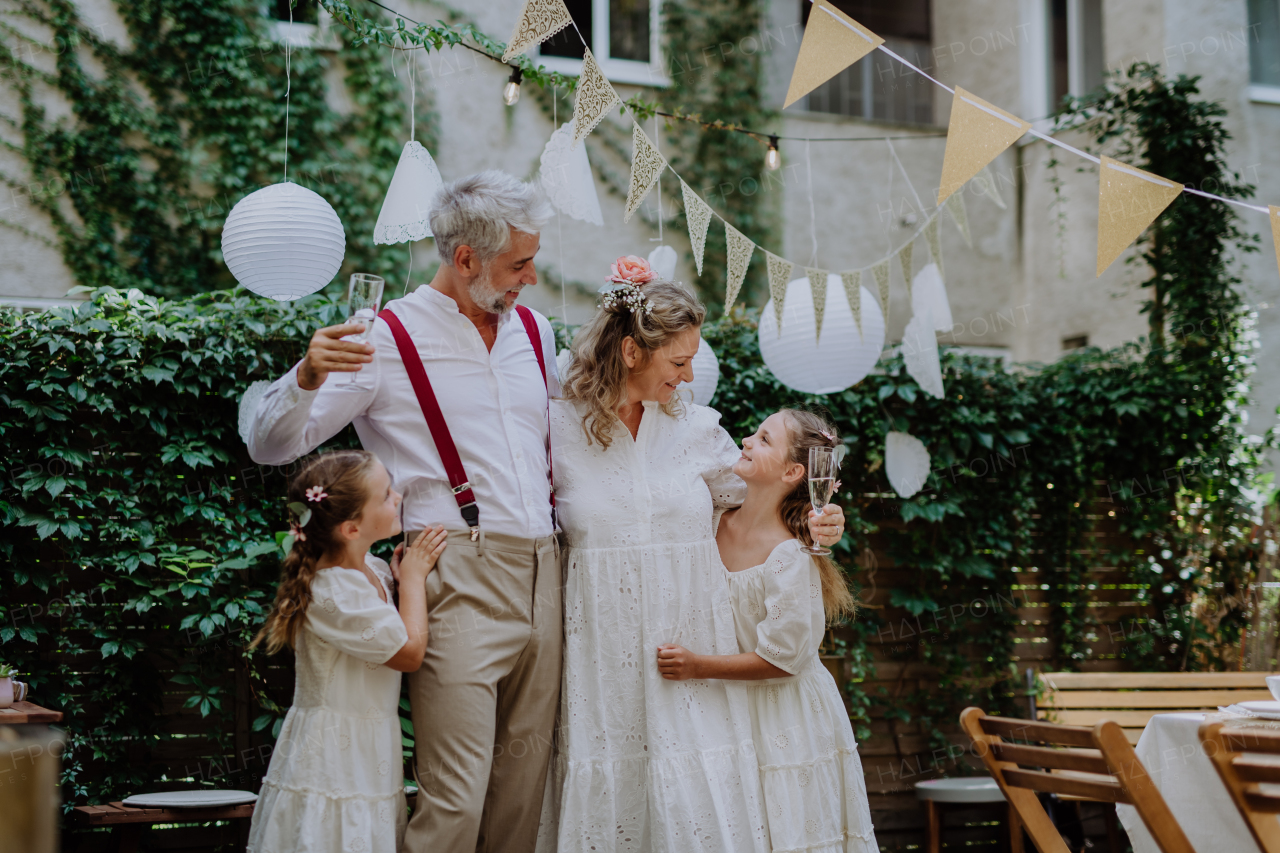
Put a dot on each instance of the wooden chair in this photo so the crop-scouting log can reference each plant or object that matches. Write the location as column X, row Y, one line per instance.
column 1131, row 699
column 1089, row 763
column 1245, row 758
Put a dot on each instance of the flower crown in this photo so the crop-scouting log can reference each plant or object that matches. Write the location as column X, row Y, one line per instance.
column 622, row 288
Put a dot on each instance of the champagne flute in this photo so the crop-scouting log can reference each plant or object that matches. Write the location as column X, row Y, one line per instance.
column 822, row 482
column 364, row 297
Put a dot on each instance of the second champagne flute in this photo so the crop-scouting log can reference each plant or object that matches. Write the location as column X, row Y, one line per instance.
column 364, row 297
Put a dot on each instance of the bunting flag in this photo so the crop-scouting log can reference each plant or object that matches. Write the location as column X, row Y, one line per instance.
column 832, row 42
column 647, row 164
column 698, row 214
column 1129, row 200
column 978, row 132
column 881, row 272
column 904, row 258
column 818, row 289
column 539, row 20
column 853, row 292
column 596, row 96
column 779, row 275
column 1275, row 230
column 739, row 250
column 955, row 206
column 934, row 240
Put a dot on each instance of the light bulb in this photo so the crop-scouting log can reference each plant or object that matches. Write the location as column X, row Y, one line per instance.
column 511, row 91
column 773, row 159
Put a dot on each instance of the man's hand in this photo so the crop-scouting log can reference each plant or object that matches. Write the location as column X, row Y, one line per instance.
column 328, row 353
column 827, row 528
column 676, row 663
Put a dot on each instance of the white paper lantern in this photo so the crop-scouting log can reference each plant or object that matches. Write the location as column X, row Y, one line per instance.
column 662, row 260
column 841, row 359
column 567, row 178
column 406, row 209
column 283, row 241
column 706, row 376
column 906, row 463
column 929, row 295
column 249, row 405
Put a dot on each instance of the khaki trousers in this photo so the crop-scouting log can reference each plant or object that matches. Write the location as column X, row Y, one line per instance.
column 484, row 701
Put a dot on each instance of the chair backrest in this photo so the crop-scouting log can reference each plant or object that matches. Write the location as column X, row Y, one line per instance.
column 1095, row 763
column 1133, row 698
column 1245, row 758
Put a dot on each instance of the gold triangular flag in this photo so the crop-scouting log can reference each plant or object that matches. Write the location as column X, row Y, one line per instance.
column 539, row 21
column 881, row 272
column 739, row 250
column 647, row 164
column 904, row 258
column 853, row 292
column 955, row 206
column 934, row 240
column 779, row 275
column 1129, row 200
column 978, row 132
column 1275, row 230
column 832, row 42
column 698, row 214
column 818, row 289
column 596, row 96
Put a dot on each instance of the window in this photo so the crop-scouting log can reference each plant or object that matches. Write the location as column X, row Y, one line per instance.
column 1075, row 342
column 1075, row 49
column 311, row 27
column 1264, row 43
column 878, row 87
column 622, row 34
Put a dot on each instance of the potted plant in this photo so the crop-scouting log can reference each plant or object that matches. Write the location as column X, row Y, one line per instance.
column 6, row 685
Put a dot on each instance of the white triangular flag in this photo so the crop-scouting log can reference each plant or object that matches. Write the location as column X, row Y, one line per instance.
column 929, row 296
column 853, row 292
column 934, row 241
column 406, row 210
column 904, row 259
column 955, row 205
column 698, row 214
column 567, row 178
column 779, row 275
column 595, row 97
column 881, row 273
column 647, row 164
column 739, row 250
column 539, row 20
column 818, row 289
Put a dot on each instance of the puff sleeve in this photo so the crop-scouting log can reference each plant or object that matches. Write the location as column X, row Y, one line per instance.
column 786, row 636
column 347, row 612
column 719, row 454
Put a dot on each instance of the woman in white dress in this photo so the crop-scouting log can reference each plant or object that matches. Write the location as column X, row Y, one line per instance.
column 645, row 764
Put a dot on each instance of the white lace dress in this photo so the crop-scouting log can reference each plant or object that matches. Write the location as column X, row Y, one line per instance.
column 646, row 764
column 336, row 784
column 814, row 792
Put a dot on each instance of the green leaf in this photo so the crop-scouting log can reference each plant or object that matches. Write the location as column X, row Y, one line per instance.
column 907, row 393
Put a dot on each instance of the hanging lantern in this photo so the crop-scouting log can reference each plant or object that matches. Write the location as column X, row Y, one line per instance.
column 283, row 241
column 906, row 463
column 843, row 356
column 662, row 260
column 706, row 376
column 406, row 209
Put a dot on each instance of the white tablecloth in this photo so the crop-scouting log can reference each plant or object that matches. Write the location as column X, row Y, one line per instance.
column 1170, row 750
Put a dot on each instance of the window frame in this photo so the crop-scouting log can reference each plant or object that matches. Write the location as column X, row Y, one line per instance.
column 1037, row 59
column 322, row 35
column 651, row 73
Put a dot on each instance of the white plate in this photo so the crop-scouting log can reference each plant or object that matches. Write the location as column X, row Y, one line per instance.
column 1263, row 710
column 204, row 799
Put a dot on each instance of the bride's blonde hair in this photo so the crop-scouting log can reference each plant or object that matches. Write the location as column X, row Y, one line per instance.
column 597, row 375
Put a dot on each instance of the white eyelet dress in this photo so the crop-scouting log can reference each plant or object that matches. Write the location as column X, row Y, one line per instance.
column 646, row 765
column 336, row 783
column 814, row 792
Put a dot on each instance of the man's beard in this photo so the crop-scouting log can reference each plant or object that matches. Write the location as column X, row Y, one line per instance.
column 486, row 296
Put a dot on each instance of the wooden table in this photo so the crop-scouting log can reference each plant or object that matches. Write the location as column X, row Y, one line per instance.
column 21, row 713
column 130, row 822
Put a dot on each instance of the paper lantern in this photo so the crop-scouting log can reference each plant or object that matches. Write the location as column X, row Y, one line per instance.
column 929, row 295
column 706, row 375
column 920, row 354
column 906, row 463
column 406, row 209
column 567, row 178
column 662, row 260
column 249, row 405
column 841, row 359
column 283, row 241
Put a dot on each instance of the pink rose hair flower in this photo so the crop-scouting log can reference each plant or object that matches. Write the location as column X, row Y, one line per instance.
column 317, row 494
column 631, row 269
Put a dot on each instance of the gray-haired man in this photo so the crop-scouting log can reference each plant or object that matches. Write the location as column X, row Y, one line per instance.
column 484, row 701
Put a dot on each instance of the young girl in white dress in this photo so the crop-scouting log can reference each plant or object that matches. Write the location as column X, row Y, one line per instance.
column 814, row 793
column 335, row 781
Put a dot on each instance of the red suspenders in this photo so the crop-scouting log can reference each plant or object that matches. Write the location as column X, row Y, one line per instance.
column 462, row 492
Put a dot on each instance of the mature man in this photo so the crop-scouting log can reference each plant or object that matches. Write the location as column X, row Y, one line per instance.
column 484, row 701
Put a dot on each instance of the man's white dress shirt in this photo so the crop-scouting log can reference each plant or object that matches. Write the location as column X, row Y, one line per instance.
column 495, row 404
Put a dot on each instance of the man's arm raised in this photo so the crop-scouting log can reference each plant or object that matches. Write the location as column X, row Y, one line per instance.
column 301, row 410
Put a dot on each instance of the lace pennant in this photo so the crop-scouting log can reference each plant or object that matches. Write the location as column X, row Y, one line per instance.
column 698, row 214
column 646, row 165
column 539, row 21
column 935, row 241
column 955, row 206
column 904, row 258
column 740, row 250
column 818, row 289
column 596, row 96
column 881, row 272
column 779, row 275
column 853, row 292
